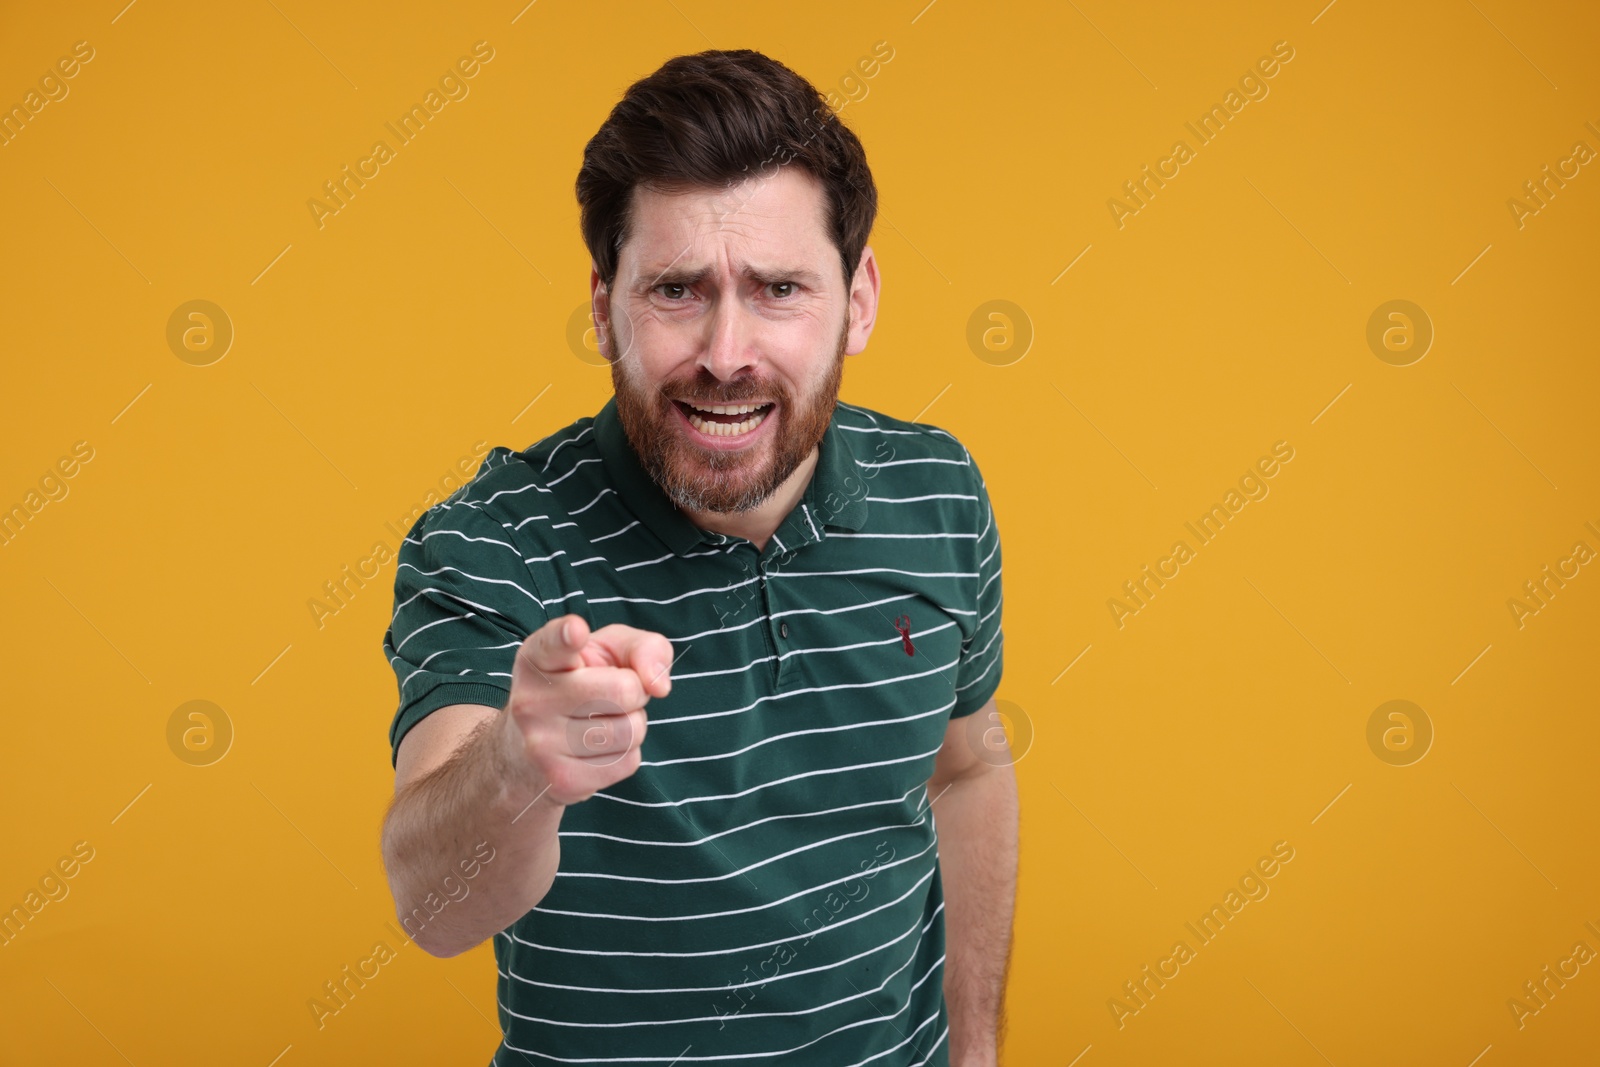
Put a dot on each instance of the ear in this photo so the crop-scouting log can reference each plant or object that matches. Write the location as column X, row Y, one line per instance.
column 863, row 302
column 600, row 312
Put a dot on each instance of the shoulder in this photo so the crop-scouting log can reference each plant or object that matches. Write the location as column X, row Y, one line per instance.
column 509, row 484
column 918, row 474
column 869, row 427
column 873, row 435
column 512, row 488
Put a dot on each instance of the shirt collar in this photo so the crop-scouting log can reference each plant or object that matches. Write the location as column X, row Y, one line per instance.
column 835, row 496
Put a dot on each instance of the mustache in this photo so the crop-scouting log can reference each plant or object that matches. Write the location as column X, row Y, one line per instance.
column 744, row 395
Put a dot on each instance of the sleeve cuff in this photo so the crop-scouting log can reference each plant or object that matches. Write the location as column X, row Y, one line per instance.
column 443, row 695
column 977, row 696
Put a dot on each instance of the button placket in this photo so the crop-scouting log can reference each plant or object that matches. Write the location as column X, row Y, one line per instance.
column 794, row 535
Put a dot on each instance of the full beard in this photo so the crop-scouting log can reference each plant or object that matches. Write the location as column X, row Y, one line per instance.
column 702, row 480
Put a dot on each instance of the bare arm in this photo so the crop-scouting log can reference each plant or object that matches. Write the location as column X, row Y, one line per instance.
column 458, row 787
column 974, row 793
column 470, row 840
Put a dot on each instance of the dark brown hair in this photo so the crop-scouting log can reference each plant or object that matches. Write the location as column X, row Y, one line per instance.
column 714, row 119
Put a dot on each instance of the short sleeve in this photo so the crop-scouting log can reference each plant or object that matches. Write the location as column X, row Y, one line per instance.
column 464, row 600
column 978, row 671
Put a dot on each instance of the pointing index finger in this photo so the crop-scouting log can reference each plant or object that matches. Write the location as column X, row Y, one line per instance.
column 649, row 653
column 557, row 645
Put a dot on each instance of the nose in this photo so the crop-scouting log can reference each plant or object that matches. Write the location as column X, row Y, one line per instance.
column 728, row 347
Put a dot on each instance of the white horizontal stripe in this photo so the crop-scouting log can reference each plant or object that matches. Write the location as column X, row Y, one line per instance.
column 464, row 537
column 742, row 870
column 906, row 536
column 938, row 1041
column 845, row 728
column 912, row 958
column 936, row 967
column 506, row 492
column 474, row 577
column 683, row 1059
column 801, row 936
column 979, row 678
column 908, row 1041
column 737, row 948
column 915, row 499
column 986, row 583
column 923, row 428
column 901, row 799
column 592, row 503
column 903, row 433
column 797, row 692
column 662, row 559
column 907, row 462
column 833, row 965
column 580, row 435
column 615, row 533
column 540, row 909
column 764, row 785
column 421, row 667
column 451, row 618
column 644, row 563
column 673, row 599
column 875, row 570
column 792, row 611
column 436, row 622
column 973, row 656
column 445, row 592
column 574, row 470
column 876, row 643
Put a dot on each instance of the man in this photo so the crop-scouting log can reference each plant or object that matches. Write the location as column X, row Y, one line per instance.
column 807, row 595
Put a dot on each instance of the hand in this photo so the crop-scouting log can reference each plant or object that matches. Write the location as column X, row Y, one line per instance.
column 576, row 710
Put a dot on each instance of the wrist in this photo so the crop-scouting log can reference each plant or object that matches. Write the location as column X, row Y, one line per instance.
column 973, row 1049
column 524, row 792
column 974, row 1057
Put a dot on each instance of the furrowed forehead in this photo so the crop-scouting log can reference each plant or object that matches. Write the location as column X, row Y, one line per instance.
column 773, row 228
column 686, row 271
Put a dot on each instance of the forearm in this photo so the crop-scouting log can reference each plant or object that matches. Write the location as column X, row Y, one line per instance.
column 484, row 794
column 976, row 817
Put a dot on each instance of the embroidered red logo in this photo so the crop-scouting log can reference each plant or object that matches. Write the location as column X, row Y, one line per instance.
column 903, row 624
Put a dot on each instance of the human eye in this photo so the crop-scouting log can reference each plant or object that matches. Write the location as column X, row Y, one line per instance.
column 791, row 288
column 674, row 297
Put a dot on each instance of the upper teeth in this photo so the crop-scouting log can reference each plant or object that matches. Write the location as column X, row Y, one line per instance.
column 729, row 409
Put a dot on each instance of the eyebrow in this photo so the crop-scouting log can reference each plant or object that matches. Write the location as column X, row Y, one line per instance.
column 670, row 275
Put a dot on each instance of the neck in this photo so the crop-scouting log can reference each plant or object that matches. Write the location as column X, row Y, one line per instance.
column 758, row 524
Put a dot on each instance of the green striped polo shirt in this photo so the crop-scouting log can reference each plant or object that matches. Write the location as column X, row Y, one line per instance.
column 765, row 887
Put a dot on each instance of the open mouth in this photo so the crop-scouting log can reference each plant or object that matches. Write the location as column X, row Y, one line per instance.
column 725, row 420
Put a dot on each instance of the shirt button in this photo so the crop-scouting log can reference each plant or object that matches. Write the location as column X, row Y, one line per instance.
column 783, row 629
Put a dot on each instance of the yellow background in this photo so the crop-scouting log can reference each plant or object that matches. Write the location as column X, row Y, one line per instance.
column 1229, row 313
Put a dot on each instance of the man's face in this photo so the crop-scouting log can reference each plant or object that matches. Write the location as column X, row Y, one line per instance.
column 728, row 297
